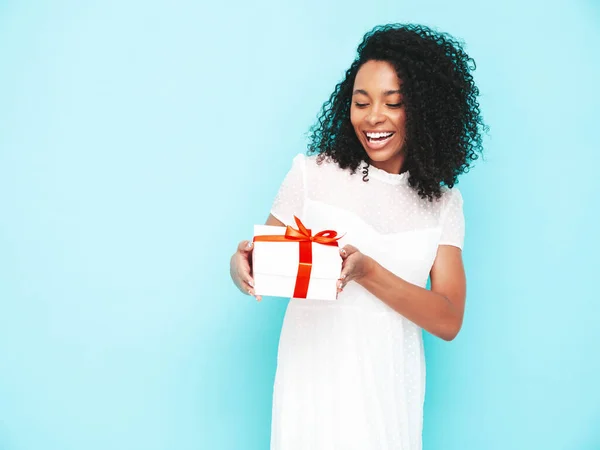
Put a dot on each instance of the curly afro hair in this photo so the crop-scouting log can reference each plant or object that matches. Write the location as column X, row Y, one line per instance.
column 443, row 120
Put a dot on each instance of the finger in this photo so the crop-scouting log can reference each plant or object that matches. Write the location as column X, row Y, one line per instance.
column 244, row 273
column 258, row 298
column 346, row 273
column 248, row 288
column 341, row 284
column 347, row 250
column 246, row 285
column 245, row 246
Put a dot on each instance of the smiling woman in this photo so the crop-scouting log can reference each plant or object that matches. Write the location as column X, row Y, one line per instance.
column 418, row 83
column 351, row 373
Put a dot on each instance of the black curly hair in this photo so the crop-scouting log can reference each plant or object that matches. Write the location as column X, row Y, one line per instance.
column 443, row 120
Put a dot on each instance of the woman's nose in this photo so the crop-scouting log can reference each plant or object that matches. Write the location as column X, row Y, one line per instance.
column 374, row 117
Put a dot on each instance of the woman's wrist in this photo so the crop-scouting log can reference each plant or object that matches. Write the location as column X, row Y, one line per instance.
column 369, row 270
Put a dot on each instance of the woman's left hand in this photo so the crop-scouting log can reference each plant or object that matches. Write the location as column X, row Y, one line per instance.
column 355, row 266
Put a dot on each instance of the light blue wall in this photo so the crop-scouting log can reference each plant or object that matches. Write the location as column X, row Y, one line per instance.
column 140, row 141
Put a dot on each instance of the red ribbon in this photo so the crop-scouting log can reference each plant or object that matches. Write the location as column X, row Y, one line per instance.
column 304, row 237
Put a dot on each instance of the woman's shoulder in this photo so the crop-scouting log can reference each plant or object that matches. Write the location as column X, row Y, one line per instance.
column 314, row 162
column 306, row 158
column 451, row 197
column 451, row 193
column 319, row 172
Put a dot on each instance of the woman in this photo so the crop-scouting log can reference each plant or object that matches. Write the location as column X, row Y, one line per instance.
column 351, row 372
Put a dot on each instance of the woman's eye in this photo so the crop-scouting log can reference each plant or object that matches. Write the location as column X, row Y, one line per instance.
column 391, row 105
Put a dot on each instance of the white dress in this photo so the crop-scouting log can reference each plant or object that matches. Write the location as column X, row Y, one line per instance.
column 351, row 372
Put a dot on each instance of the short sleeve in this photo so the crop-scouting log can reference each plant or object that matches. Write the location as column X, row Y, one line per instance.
column 453, row 220
column 289, row 201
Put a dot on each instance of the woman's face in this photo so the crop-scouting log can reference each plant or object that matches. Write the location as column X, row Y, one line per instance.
column 377, row 115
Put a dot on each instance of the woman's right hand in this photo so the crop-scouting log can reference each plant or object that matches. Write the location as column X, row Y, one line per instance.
column 241, row 268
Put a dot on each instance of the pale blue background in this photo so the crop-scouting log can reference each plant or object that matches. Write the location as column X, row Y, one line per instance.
column 140, row 141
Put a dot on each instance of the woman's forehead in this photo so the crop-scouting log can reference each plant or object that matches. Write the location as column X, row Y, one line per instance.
column 377, row 76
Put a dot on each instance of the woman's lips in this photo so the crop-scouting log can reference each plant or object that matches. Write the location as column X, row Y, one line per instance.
column 379, row 143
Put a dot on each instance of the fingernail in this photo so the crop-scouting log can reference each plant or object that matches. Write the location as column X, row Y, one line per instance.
column 250, row 283
column 343, row 252
column 249, row 246
column 343, row 276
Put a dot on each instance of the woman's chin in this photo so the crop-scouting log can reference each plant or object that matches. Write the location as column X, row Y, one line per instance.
column 379, row 155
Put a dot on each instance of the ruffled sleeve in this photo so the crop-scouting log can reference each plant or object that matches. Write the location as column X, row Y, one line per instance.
column 453, row 220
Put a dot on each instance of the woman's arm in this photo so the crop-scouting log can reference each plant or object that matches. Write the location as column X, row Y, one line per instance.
column 440, row 310
column 271, row 220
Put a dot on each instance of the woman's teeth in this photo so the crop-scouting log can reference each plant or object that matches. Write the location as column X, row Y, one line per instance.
column 376, row 141
column 378, row 136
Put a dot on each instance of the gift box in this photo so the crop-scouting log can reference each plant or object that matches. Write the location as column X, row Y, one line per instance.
column 292, row 263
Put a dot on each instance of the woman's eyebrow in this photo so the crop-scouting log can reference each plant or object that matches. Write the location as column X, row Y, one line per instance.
column 390, row 92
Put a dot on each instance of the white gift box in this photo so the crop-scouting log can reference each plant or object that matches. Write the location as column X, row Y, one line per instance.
column 275, row 266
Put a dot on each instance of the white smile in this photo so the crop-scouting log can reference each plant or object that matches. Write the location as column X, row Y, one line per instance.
column 379, row 136
column 376, row 140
